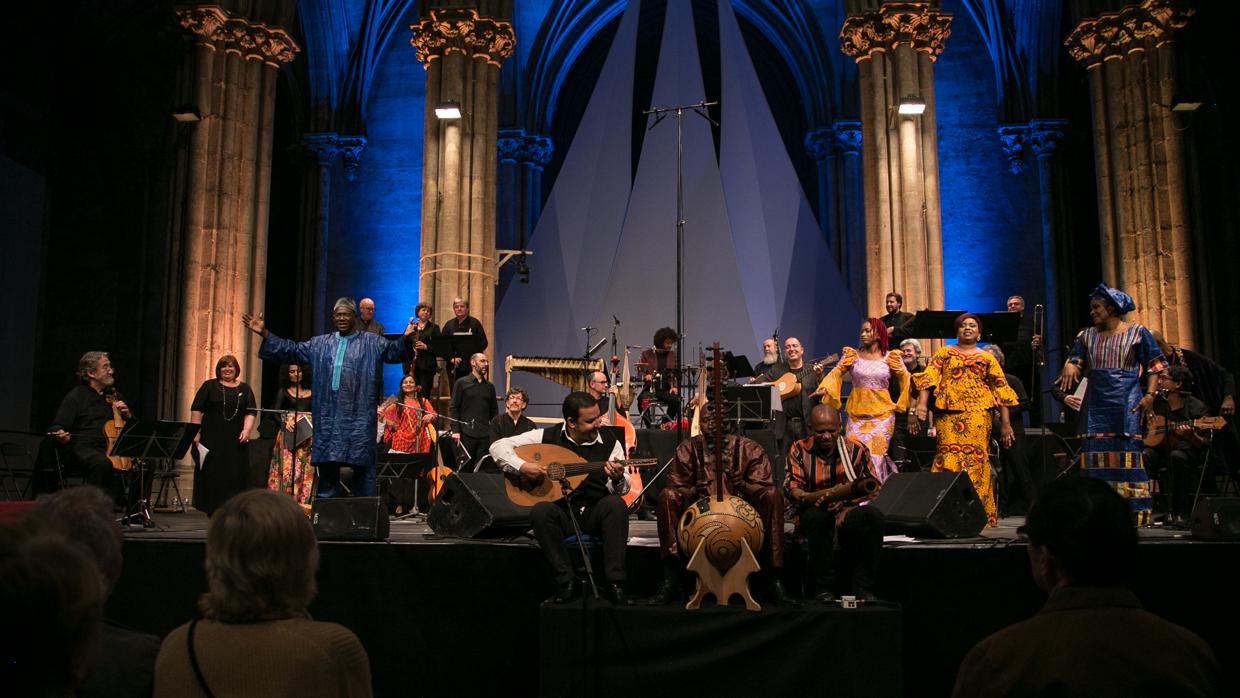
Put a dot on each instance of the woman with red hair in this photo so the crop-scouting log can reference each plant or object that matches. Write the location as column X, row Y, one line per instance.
column 968, row 383
column 871, row 409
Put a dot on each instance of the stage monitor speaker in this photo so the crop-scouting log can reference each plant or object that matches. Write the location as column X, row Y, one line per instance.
column 931, row 505
column 350, row 518
column 474, row 505
column 1217, row 518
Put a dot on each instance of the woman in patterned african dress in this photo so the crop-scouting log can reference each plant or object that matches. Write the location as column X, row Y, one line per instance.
column 967, row 383
column 871, row 409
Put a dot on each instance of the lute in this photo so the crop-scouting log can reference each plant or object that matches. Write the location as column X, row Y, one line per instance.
column 561, row 464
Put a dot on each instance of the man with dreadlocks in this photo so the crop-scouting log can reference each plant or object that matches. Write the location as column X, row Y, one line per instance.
column 746, row 474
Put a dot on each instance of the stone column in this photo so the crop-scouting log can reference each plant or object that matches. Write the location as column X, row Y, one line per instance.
column 320, row 153
column 1045, row 137
column 836, row 150
column 1138, row 157
column 224, row 267
column 225, row 262
column 461, row 51
column 894, row 47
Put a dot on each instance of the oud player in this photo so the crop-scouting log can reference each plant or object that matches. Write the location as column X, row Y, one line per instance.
column 595, row 503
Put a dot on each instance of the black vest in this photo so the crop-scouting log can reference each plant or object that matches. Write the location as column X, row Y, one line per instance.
column 594, row 487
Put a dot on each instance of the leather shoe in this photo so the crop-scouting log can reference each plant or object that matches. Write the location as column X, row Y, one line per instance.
column 780, row 595
column 667, row 592
column 567, row 592
column 615, row 594
column 827, row 597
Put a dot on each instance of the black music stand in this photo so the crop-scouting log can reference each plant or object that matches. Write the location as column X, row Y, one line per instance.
column 151, row 439
column 406, row 466
column 750, row 403
column 934, row 324
column 998, row 328
column 738, row 366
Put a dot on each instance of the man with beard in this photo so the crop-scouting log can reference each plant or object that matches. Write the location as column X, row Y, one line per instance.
column 80, row 418
column 474, row 402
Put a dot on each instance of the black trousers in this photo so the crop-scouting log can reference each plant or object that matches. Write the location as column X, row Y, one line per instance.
column 476, row 447
column 850, row 560
column 1177, row 472
column 94, row 465
column 608, row 518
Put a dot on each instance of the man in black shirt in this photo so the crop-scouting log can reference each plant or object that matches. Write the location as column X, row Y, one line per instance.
column 1020, row 355
column 463, row 324
column 513, row 420
column 1174, row 461
column 83, row 412
column 475, row 403
column 896, row 320
column 596, row 501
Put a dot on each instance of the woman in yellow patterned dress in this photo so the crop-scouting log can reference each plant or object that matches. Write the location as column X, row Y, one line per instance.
column 967, row 383
column 871, row 410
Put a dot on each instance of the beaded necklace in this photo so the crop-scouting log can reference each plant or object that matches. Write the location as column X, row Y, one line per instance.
column 224, row 407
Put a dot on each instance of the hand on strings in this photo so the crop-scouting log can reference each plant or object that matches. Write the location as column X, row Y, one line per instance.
column 60, row 435
column 254, row 323
column 614, row 470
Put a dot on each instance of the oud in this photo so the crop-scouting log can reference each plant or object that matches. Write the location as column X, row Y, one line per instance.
column 562, row 465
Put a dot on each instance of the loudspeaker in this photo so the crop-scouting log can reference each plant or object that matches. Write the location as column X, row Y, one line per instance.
column 474, row 505
column 350, row 518
column 1217, row 518
column 931, row 505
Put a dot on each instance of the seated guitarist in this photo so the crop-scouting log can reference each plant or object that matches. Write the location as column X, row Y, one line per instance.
column 1174, row 460
column 596, row 502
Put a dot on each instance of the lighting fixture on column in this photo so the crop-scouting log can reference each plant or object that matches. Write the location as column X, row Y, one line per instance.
column 186, row 114
column 912, row 105
column 447, row 111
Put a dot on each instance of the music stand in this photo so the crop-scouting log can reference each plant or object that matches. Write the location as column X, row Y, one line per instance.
column 406, row 466
column 738, row 366
column 154, row 439
column 750, row 403
column 998, row 328
column 934, row 324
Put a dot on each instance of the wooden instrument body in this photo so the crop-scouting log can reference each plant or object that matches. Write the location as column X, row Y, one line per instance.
column 1158, row 428
column 845, row 491
column 112, row 430
column 788, row 385
column 437, row 475
column 561, row 464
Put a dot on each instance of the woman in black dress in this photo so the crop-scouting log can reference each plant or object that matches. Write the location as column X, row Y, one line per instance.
column 222, row 407
column 424, row 366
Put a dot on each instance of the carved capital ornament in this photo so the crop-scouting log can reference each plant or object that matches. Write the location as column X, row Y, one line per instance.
column 462, row 31
column 220, row 31
column 893, row 24
column 1135, row 27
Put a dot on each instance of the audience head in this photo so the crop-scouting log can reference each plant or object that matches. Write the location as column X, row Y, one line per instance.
column 51, row 612
column 261, row 559
column 83, row 515
column 1080, row 532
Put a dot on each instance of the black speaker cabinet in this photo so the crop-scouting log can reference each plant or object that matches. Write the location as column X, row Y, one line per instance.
column 931, row 505
column 1217, row 518
column 350, row 518
column 474, row 505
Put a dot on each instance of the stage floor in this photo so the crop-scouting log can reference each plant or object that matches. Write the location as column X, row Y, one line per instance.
column 448, row 616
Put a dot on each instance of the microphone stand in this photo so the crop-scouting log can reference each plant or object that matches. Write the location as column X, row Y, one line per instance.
column 660, row 113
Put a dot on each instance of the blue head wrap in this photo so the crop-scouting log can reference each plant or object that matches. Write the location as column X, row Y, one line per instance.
column 1122, row 301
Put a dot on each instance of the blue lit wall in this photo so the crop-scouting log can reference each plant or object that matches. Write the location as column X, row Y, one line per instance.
column 376, row 219
column 991, row 228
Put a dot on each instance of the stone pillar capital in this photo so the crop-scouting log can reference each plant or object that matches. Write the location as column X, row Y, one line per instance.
column 351, row 148
column 893, row 24
column 1013, row 138
column 462, row 31
column 1046, row 136
column 847, row 137
column 515, row 145
column 820, row 143
column 219, row 30
column 1114, row 34
column 324, row 146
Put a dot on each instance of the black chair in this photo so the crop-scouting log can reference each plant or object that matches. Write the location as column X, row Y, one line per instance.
column 18, row 471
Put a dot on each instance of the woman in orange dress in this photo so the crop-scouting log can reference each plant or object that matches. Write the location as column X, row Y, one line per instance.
column 408, row 419
column 967, row 383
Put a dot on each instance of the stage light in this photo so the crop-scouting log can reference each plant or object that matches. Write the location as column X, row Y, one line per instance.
column 523, row 269
column 1185, row 106
column 447, row 111
column 187, row 114
column 912, row 105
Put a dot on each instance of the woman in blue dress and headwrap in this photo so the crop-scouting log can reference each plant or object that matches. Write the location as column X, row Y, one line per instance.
column 1118, row 355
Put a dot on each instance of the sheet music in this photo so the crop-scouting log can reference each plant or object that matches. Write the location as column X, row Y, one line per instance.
column 200, row 454
column 1079, row 393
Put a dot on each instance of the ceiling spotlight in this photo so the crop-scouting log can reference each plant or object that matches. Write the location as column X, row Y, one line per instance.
column 448, row 110
column 912, row 105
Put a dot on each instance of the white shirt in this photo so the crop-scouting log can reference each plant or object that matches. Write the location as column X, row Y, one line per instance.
column 504, row 452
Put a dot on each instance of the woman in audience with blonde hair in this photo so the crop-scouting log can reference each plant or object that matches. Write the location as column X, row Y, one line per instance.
column 255, row 636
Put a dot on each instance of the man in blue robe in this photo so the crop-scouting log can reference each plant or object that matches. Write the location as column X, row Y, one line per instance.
column 346, row 366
